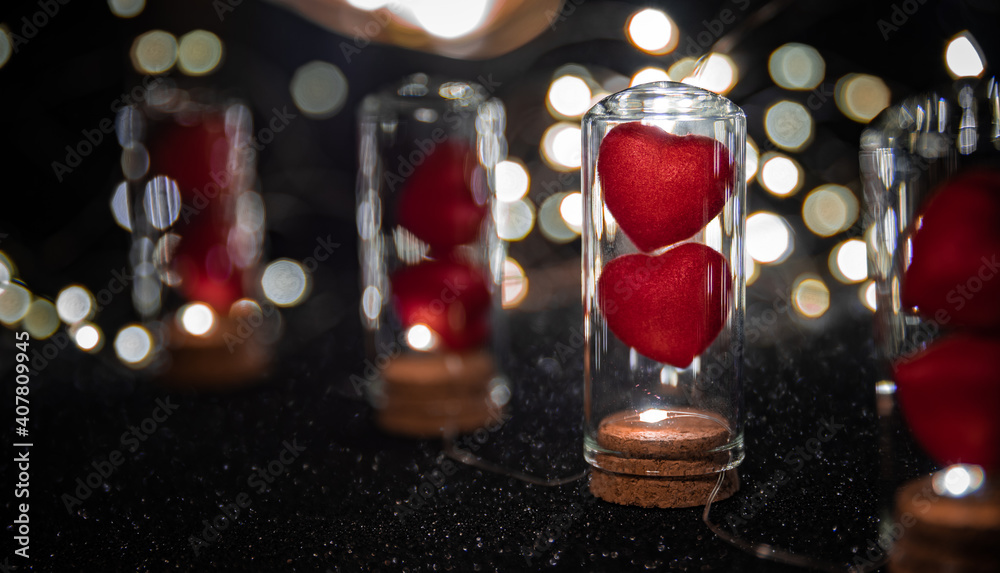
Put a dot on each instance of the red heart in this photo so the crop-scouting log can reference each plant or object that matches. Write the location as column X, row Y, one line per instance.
column 950, row 395
column 952, row 276
column 450, row 298
column 668, row 307
column 437, row 204
column 195, row 156
column 662, row 188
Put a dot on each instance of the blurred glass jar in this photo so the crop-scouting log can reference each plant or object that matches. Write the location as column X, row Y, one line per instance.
column 431, row 259
column 931, row 172
column 197, row 224
column 663, row 275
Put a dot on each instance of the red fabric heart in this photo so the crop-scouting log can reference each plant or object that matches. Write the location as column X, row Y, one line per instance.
column 950, row 396
column 450, row 298
column 953, row 274
column 436, row 203
column 668, row 307
column 662, row 188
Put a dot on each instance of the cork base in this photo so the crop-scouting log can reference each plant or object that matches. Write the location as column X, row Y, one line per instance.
column 219, row 360
column 939, row 533
column 429, row 395
column 660, row 492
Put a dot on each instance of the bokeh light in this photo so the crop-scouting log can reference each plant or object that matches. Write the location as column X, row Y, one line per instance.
column 87, row 337
column 652, row 31
column 561, row 148
column 569, row 96
column 162, row 202
column 126, row 8
column 154, row 52
column 958, row 480
column 285, row 282
column 196, row 318
column 512, row 180
column 769, row 239
column 779, row 174
column 421, row 337
column 963, row 57
column 571, row 209
column 133, row 345
column 810, row 296
column 200, row 52
column 514, row 219
column 41, row 319
column 789, row 125
column 369, row 4
column 449, row 19
column 868, row 293
column 830, row 209
column 515, row 284
column 74, row 303
column 752, row 160
column 849, row 261
column 319, row 89
column 7, row 268
column 751, row 270
column 120, row 206
column 6, row 47
column 861, row 97
column 681, row 69
column 649, row 75
column 796, row 67
column 551, row 222
column 715, row 73
column 14, row 302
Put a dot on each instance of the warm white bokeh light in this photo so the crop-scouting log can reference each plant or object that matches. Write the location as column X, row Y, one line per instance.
column 512, row 180
column 810, row 297
column 126, row 8
column 861, row 97
column 963, row 57
column 715, row 73
column 796, row 67
column 319, row 89
column 849, row 261
column 569, row 96
column 780, row 174
column 571, row 209
column 752, row 160
column 649, row 75
column 6, row 46
column 449, row 19
column 154, row 52
column 515, row 219
column 652, row 31
column 14, row 302
column 421, row 337
column 769, row 239
column 133, row 345
column 199, row 53
column 958, row 480
column 830, row 209
column 285, row 282
column 74, row 303
column 87, row 336
column 197, row 318
column 653, row 416
column 868, row 293
column 789, row 125
column 561, row 147
column 551, row 222
column 41, row 319
column 369, row 4
column 515, row 283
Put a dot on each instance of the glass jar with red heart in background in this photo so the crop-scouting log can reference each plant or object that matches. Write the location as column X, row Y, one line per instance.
column 189, row 198
column 431, row 260
column 663, row 277
column 931, row 170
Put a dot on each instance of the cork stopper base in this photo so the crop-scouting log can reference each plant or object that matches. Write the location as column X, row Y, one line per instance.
column 662, row 459
column 430, row 395
column 224, row 358
column 940, row 533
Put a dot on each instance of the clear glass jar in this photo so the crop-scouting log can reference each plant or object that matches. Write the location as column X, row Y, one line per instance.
column 663, row 284
column 931, row 172
column 189, row 199
column 431, row 260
